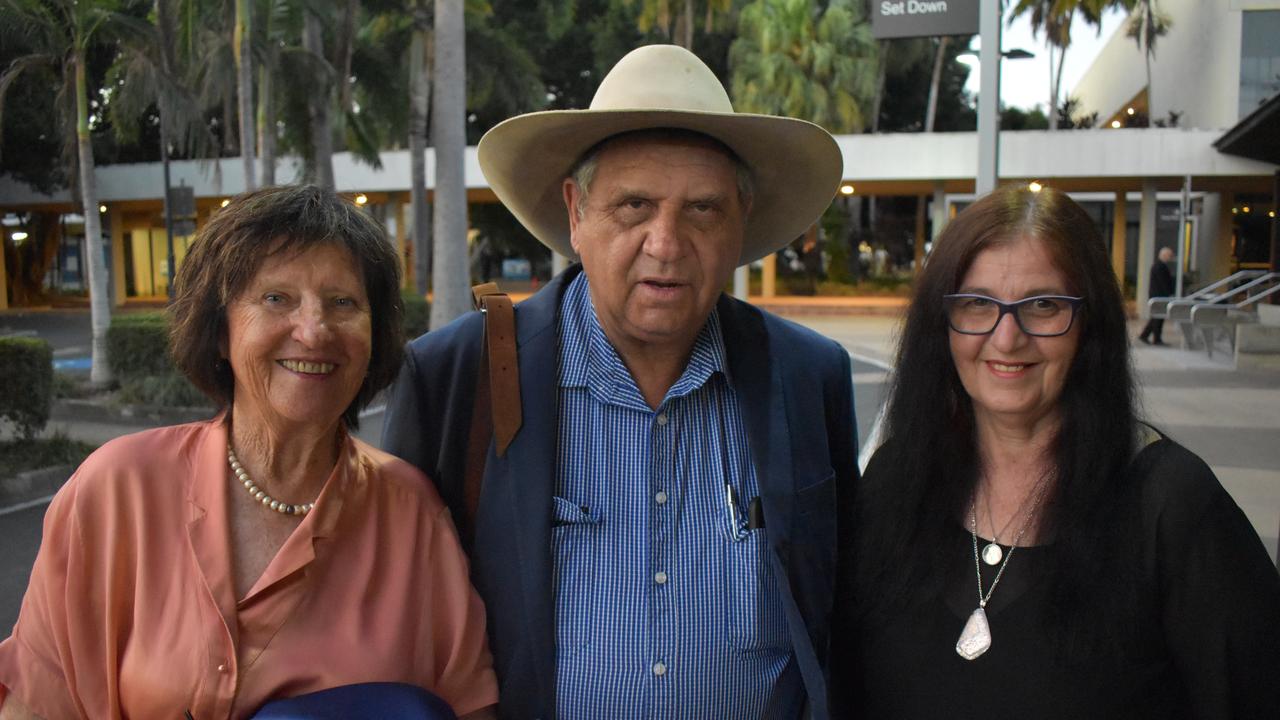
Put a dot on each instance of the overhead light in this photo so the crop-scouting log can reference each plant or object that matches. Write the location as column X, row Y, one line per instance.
column 225, row 202
column 102, row 208
column 846, row 189
column 1271, row 213
column 1115, row 124
column 1129, row 111
column 1034, row 186
column 1246, row 208
column 362, row 199
column 1235, row 211
column 19, row 236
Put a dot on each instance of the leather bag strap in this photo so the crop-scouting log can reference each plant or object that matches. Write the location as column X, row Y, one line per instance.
column 496, row 410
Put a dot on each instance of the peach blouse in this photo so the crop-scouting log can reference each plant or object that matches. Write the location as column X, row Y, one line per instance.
column 130, row 611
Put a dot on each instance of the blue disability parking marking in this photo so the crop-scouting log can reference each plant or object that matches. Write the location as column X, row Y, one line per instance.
column 83, row 363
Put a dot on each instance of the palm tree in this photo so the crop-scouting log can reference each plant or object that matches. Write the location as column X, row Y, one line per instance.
column 791, row 58
column 148, row 72
column 62, row 33
column 663, row 14
column 1146, row 23
column 1054, row 18
column 450, row 263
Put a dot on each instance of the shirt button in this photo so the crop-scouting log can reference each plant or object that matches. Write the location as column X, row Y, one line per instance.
column 662, row 419
column 660, row 578
column 222, row 669
column 659, row 668
column 661, row 497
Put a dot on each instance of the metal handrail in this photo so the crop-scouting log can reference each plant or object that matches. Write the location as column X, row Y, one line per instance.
column 1157, row 306
column 1181, row 307
column 1210, row 316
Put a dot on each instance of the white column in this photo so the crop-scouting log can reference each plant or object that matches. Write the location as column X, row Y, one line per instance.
column 740, row 284
column 939, row 211
column 1146, row 243
column 558, row 263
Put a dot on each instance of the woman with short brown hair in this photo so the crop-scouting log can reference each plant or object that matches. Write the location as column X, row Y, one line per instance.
column 208, row 568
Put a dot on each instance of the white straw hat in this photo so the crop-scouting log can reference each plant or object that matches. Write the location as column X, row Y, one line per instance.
column 796, row 165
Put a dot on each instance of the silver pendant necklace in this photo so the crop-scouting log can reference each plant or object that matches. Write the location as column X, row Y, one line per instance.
column 992, row 553
column 975, row 638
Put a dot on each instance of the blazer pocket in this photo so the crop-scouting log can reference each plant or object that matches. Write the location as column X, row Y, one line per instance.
column 573, row 559
column 813, row 533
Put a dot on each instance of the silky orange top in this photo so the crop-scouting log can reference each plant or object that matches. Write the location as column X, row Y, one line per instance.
column 131, row 612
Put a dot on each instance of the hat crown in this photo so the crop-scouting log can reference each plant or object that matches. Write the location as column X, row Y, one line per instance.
column 661, row 77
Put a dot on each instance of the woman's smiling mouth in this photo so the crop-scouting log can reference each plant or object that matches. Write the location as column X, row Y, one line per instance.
column 307, row 368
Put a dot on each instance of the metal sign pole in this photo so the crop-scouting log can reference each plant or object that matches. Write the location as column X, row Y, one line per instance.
column 989, row 100
column 1184, row 220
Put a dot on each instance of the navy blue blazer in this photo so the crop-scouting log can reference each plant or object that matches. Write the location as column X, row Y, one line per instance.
column 796, row 393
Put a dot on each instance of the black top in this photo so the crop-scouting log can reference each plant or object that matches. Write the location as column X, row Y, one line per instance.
column 1161, row 280
column 1206, row 643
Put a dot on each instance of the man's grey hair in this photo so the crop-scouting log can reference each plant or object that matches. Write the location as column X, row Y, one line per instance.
column 584, row 171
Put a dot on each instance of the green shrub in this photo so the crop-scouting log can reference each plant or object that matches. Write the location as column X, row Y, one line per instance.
column 168, row 390
column 67, row 385
column 417, row 314
column 26, row 383
column 138, row 345
column 19, row 456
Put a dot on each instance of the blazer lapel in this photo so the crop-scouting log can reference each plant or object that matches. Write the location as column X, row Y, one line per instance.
column 757, row 383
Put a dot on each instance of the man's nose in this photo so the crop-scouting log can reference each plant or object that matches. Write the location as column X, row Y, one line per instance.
column 664, row 238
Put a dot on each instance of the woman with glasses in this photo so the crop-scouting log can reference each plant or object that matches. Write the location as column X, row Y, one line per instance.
column 1022, row 544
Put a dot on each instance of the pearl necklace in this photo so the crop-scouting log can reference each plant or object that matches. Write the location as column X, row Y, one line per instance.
column 258, row 493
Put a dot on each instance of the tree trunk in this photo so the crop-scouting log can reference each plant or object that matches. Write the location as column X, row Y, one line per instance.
column 321, row 123
column 267, row 119
column 1057, row 87
column 1151, row 106
column 244, row 88
column 419, row 101
column 450, row 267
column 939, row 59
column 880, row 74
column 344, row 52
column 687, row 35
column 94, row 248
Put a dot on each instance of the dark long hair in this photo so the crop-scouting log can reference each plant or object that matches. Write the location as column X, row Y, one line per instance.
column 931, row 447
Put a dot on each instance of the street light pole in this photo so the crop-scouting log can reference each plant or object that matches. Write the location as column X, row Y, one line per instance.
column 989, row 99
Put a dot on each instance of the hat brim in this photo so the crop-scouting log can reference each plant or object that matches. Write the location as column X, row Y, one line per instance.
column 796, row 167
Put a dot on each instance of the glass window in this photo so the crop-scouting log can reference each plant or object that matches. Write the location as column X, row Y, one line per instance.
column 1259, row 58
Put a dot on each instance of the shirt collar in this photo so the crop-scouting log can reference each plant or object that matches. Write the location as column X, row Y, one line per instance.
column 588, row 359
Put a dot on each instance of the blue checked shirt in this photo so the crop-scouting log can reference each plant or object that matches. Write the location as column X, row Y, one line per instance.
column 666, row 605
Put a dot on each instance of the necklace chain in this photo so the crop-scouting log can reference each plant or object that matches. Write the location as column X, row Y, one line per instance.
column 258, row 493
column 973, row 533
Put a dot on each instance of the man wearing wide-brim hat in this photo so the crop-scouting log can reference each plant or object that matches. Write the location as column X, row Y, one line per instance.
column 658, row 540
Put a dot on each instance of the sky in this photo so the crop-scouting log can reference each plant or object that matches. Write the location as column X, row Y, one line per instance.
column 1025, row 83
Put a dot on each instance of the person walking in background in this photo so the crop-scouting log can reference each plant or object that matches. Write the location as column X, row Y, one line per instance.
column 1161, row 285
column 1023, row 545
column 658, row 540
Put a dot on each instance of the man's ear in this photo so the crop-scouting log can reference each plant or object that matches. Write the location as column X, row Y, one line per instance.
column 571, row 195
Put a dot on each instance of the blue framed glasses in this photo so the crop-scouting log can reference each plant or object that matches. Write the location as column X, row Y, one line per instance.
column 1039, row 316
